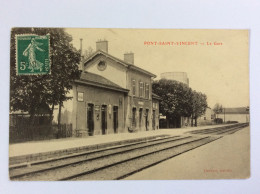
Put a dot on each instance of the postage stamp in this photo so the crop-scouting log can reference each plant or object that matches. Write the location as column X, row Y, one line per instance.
column 32, row 54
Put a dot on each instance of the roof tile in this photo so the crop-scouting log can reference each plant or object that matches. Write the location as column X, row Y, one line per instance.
column 98, row 79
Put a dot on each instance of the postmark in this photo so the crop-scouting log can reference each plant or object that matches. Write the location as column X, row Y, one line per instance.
column 32, row 54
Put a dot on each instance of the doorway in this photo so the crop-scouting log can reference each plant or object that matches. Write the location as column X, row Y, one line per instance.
column 90, row 119
column 134, row 118
column 153, row 124
column 103, row 119
column 140, row 117
column 115, row 118
column 146, row 119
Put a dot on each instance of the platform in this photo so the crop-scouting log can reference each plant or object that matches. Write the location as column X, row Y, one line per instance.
column 35, row 150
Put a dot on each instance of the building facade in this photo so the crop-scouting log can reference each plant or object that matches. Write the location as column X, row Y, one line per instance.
column 112, row 96
column 207, row 118
column 239, row 114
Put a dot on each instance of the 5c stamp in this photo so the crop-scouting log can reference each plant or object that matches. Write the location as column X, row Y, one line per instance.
column 32, row 54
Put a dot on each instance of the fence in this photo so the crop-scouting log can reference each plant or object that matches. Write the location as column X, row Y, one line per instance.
column 34, row 133
column 21, row 131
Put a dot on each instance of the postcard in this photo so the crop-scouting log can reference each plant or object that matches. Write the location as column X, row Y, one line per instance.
column 129, row 104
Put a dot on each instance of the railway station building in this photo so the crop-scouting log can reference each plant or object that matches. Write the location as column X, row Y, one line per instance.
column 111, row 96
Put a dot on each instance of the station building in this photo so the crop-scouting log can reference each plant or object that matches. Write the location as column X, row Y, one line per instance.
column 111, row 96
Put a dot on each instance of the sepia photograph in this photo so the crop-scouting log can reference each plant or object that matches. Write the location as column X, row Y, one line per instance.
column 128, row 104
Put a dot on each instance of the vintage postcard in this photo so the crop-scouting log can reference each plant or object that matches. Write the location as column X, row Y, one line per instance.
column 129, row 104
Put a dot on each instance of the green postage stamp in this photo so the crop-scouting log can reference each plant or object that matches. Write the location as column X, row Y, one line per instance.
column 32, row 54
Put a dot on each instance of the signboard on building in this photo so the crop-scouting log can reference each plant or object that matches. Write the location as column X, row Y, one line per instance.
column 140, row 103
column 80, row 96
column 120, row 101
column 109, row 109
column 97, row 108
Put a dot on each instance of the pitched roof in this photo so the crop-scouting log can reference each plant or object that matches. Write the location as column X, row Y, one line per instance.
column 237, row 110
column 128, row 65
column 99, row 81
column 155, row 96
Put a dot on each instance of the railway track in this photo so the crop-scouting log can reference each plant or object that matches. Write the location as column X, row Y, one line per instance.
column 116, row 162
column 88, row 153
column 126, row 168
column 101, row 161
column 54, row 163
column 226, row 130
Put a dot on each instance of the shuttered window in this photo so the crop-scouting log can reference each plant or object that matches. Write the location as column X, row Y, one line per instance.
column 133, row 87
column 141, row 89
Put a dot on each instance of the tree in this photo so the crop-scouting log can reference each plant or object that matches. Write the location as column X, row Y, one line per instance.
column 29, row 92
column 176, row 99
column 179, row 100
column 217, row 109
column 199, row 105
column 88, row 52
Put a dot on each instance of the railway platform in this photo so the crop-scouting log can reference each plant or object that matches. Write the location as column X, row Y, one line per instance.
column 38, row 150
column 226, row 158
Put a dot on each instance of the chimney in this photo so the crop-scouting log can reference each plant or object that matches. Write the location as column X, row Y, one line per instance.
column 129, row 58
column 102, row 45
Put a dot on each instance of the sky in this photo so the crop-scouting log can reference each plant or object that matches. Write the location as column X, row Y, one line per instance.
column 216, row 61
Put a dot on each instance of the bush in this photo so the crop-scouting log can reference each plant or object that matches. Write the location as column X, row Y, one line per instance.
column 230, row 122
column 218, row 121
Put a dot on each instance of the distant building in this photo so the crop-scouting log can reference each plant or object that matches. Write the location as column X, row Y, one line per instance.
column 239, row 114
column 177, row 76
column 207, row 118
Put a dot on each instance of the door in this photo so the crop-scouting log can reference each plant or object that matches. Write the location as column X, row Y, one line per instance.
column 146, row 119
column 90, row 119
column 115, row 118
column 104, row 119
column 140, row 117
column 134, row 118
column 153, row 119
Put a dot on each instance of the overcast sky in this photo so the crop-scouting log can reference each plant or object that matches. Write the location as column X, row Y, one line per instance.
column 219, row 71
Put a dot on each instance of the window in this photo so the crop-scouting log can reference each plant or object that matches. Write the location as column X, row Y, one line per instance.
column 101, row 66
column 141, row 89
column 154, row 105
column 133, row 87
column 144, row 91
column 147, row 91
